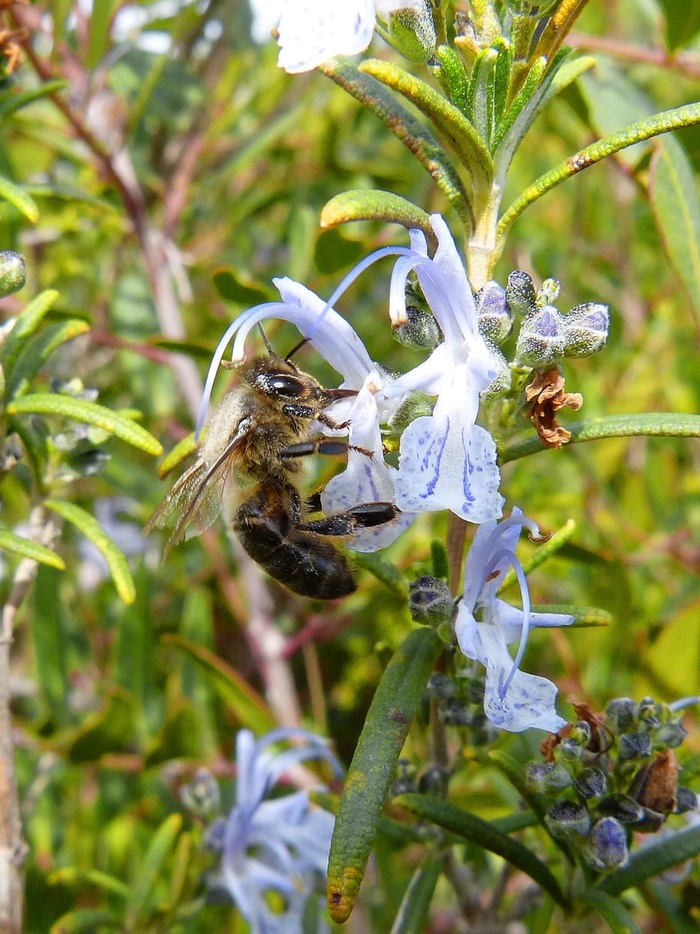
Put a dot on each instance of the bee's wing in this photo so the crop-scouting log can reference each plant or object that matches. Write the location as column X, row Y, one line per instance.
column 194, row 503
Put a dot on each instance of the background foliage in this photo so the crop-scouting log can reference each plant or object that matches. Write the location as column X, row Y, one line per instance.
column 171, row 187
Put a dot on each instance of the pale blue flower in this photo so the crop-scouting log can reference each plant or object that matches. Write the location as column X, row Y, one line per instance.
column 272, row 846
column 446, row 460
column 312, row 31
column 513, row 700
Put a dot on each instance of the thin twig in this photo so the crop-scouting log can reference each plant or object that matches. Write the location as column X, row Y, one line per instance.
column 12, row 845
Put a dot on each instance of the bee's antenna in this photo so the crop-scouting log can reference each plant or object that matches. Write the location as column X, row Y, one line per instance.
column 295, row 349
column 268, row 345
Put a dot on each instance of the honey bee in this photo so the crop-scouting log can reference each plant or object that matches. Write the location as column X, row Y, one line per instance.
column 258, row 433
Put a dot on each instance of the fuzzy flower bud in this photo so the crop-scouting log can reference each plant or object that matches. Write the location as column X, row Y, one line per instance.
column 201, row 796
column 586, row 328
column 635, row 746
column 568, row 820
column 12, row 272
column 441, row 686
column 412, row 32
column 421, row 330
column 547, row 777
column 542, row 337
column 495, row 320
column 520, row 293
column 591, row 783
column 623, row 808
column 430, row 602
column 454, row 713
column 606, row 847
column 620, row 714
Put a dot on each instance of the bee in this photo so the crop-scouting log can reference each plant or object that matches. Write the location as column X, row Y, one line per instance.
column 259, row 433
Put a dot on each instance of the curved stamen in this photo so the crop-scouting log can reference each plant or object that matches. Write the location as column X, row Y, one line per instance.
column 216, row 362
column 684, row 702
column 525, row 631
column 355, row 273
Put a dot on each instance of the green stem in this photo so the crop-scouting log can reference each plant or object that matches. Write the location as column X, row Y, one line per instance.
column 647, row 128
column 651, row 424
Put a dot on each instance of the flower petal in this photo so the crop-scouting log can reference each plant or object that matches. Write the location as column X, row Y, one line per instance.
column 448, row 462
column 312, row 31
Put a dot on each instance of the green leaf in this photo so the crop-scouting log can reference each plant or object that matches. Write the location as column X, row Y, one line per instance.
column 361, row 204
column 249, row 708
column 654, row 858
column 417, row 138
column 463, row 138
column 49, row 634
column 688, row 115
column 19, row 199
column 484, row 834
column 180, row 737
column 651, row 424
column 454, row 76
column 413, row 912
column 151, row 869
column 333, row 252
column 232, row 288
column 16, row 100
column 110, row 730
column 481, row 94
column 385, row 571
column 73, row 876
column 47, row 403
column 87, row 920
column 99, row 23
column 373, row 766
column 682, row 22
column 25, row 325
column 37, row 350
column 673, row 193
column 178, row 454
column 91, row 528
column 611, row 910
column 26, row 548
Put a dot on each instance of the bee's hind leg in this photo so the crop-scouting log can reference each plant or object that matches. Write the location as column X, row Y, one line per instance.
column 362, row 516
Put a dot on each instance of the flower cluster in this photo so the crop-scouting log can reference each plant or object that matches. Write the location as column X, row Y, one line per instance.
column 273, row 851
column 446, row 460
column 610, row 775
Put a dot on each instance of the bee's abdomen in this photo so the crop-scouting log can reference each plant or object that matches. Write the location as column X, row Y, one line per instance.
column 266, row 527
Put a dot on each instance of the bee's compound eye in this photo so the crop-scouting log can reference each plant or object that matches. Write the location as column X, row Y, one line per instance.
column 281, row 385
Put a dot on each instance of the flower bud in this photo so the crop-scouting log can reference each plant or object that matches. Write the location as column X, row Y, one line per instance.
column 649, row 714
column 549, row 292
column 634, row 746
column 430, row 602
column 580, row 733
column 670, row 734
column 441, row 686
column 404, row 781
column 411, row 407
column 686, row 800
column 520, row 293
column 542, row 337
column 620, row 714
column 606, row 848
column 421, row 330
column 454, row 713
column 591, row 783
column 547, row 777
column 412, row 32
column 571, row 751
column 495, row 320
column 567, row 820
column 621, row 807
column 432, row 781
column 201, row 795
column 13, row 272
column 586, row 328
